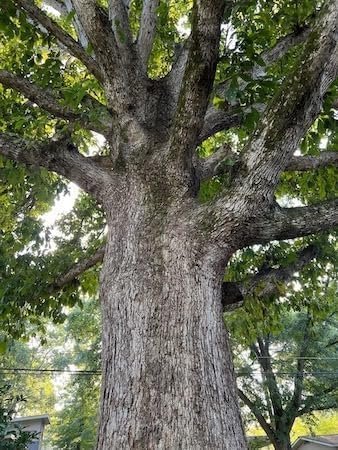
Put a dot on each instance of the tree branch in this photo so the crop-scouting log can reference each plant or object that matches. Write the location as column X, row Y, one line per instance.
column 115, row 55
column 78, row 269
column 199, row 74
column 291, row 112
column 58, row 156
column 82, row 37
column 311, row 405
column 266, row 280
column 211, row 166
column 290, row 223
column 283, row 45
column 118, row 15
column 46, row 100
column 307, row 162
column 295, row 401
column 73, row 47
column 256, row 412
column 219, row 120
column 264, row 360
column 147, row 30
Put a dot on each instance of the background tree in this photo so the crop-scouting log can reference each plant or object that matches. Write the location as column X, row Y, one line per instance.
column 60, row 376
column 287, row 363
column 12, row 437
column 159, row 80
column 36, row 388
column 75, row 426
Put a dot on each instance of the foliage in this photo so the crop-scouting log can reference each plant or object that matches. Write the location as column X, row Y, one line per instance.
column 12, row 437
column 71, row 401
column 76, row 423
column 27, row 253
column 301, row 351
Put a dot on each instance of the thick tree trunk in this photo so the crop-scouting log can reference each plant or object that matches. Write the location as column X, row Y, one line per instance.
column 168, row 380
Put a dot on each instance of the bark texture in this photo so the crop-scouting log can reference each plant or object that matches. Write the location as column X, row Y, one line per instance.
column 168, row 379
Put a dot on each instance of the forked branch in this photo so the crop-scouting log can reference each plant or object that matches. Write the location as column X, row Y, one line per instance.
column 199, row 73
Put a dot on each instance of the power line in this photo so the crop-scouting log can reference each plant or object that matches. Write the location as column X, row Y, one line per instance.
column 317, row 358
column 271, row 372
column 25, row 371
column 16, row 370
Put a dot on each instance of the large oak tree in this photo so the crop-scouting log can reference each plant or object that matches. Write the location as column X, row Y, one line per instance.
column 129, row 71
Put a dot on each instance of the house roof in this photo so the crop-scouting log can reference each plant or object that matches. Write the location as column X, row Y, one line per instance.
column 329, row 440
column 44, row 418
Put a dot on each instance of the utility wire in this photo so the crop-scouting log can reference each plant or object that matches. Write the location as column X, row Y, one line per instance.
column 24, row 371
column 317, row 358
column 38, row 371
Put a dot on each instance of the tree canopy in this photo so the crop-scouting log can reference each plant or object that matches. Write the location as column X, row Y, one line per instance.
column 45, row 86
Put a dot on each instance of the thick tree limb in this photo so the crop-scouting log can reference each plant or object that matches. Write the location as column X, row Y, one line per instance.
column 118, row 15
column 73, row 47
column 199, row 74
column 98, row 30
column 78, row 269
column 46, row 100
column 290, row 223
column 147, row 30
column 293, row 110
column 115, row 57
column 304, row 163
column 266, row 282
column 218, row 120
column 58, row 156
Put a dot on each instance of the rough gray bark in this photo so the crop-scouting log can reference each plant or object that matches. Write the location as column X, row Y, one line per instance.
column 167, row 372
column 168, row 377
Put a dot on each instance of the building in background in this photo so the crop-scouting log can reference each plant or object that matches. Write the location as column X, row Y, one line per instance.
column 326, row 442
column 33, row 424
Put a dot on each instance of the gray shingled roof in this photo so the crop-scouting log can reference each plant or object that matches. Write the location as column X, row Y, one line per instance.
column 329, row 440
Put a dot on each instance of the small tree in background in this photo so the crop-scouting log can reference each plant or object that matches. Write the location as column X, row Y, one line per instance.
column 287, row 362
